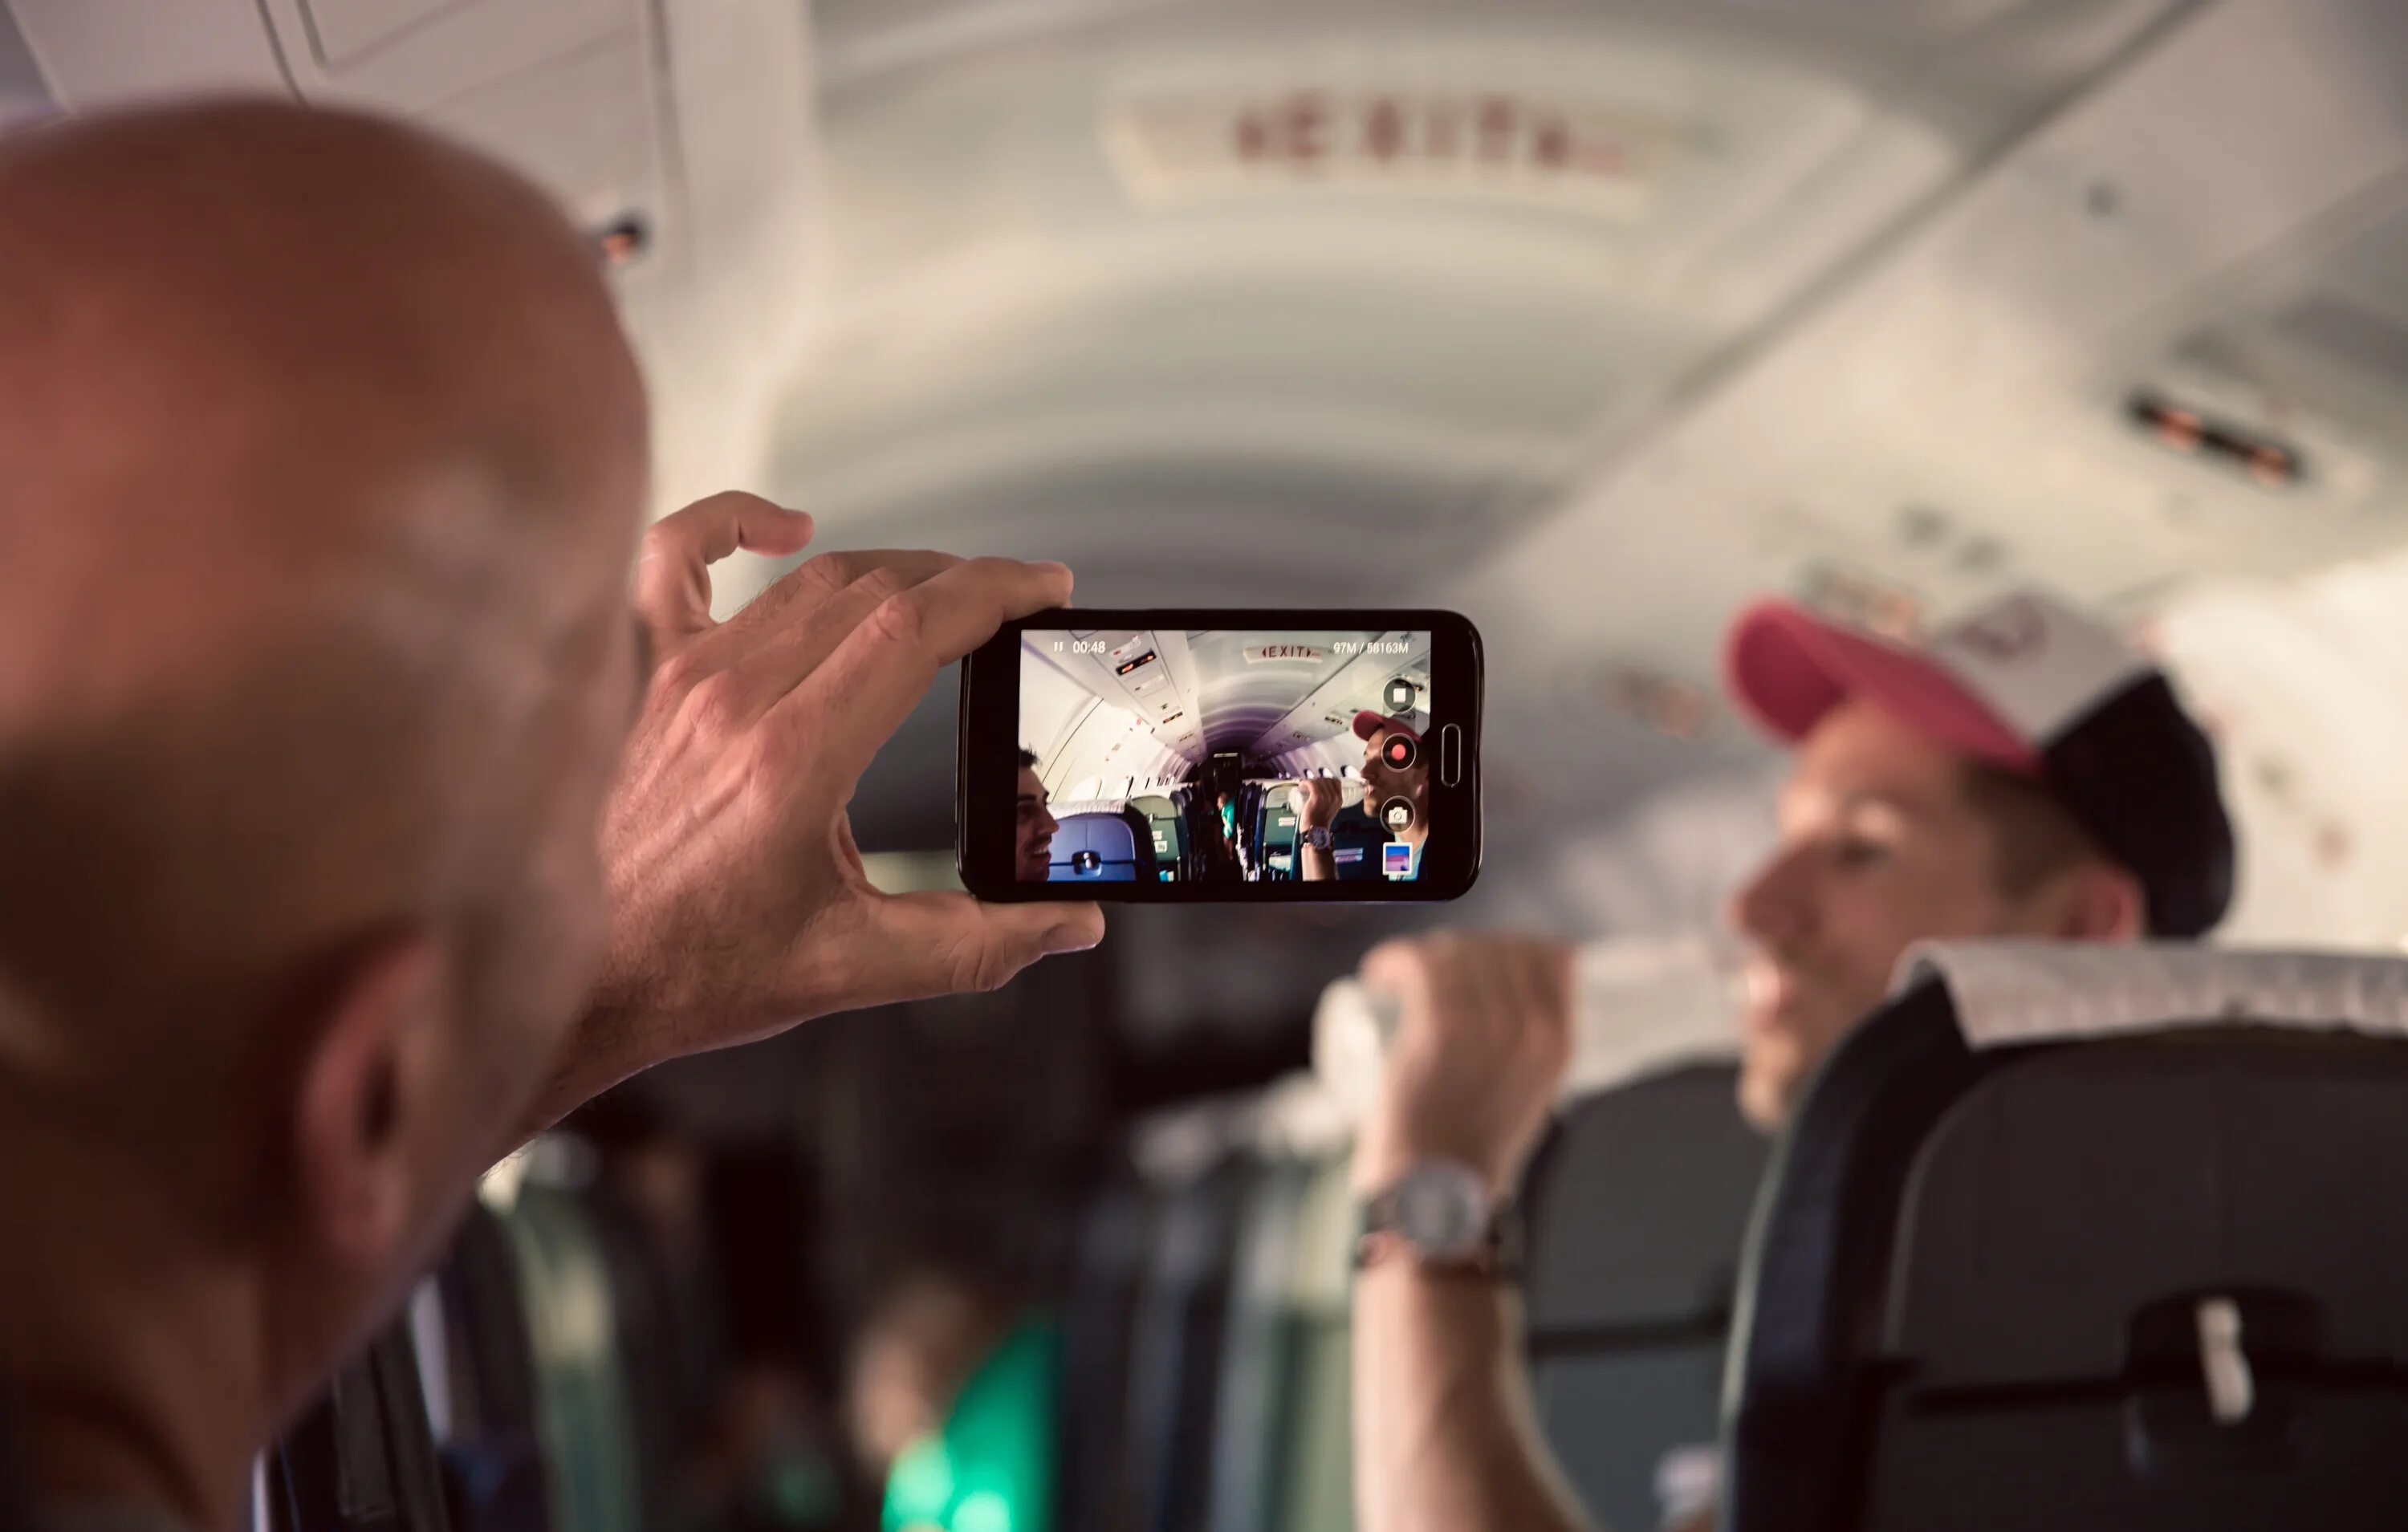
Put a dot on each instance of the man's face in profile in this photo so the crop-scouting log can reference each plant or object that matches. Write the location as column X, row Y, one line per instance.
column 1383, row 781
column 1880, row 849
column 1035, row 849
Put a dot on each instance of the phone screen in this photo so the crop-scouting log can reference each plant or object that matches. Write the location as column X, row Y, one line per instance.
column 1225, row 756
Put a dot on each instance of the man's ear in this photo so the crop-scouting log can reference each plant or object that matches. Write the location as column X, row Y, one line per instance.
column 2103, row 902
column 359, row 1081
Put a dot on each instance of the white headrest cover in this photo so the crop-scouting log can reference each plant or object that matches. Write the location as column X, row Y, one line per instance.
column 2014, row 992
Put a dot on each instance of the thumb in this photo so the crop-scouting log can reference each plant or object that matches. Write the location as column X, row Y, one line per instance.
column 920, row 945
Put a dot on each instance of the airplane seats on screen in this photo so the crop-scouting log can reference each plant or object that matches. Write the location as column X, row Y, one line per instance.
column 1097, row 847
column 2080, row 1237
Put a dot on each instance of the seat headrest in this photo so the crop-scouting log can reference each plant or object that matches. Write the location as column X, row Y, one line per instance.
column 2006, row 993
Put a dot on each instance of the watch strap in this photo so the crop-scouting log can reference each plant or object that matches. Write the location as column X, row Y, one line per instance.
column 1498, row 1258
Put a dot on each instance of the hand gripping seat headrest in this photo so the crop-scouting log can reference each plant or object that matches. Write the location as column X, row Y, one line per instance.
column 2087, row 1236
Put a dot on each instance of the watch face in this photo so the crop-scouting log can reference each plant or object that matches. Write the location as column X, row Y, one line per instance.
column 1443, row 1210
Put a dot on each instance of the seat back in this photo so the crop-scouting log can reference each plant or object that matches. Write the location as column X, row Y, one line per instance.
column 1175, row 1373
column 1251, row 1410
column 1098, row 1328
column 1278, row 836
column 363, row 1459
column 492, row 1453
column 1316, row 1474
column 1093, row 848
column 2071, row 1239
column 1168, row 830
column 1635, row 1208
column 590, row 1436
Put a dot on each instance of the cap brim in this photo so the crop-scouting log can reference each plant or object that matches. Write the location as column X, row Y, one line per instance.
column 1368, row 724
column 1788, row 668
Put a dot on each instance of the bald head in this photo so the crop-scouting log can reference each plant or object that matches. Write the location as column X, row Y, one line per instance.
column 321, row 460
column 248, row 341
column 324, row 459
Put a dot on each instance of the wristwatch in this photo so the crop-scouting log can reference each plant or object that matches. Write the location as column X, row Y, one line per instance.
column 1441, row 1216
column 1316, row 836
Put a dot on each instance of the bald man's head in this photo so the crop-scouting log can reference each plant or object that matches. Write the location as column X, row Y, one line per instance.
column 323, row 461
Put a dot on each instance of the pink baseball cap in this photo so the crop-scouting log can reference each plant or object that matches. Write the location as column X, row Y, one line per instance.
column 1789, row 667
column 2031, row 687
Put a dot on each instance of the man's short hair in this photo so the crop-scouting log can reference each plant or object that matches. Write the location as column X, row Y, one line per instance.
column 2034, row 835
column 1027, row 758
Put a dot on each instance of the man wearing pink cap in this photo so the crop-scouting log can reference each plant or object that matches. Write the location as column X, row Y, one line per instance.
column 2025, row 774
column 1355, row 842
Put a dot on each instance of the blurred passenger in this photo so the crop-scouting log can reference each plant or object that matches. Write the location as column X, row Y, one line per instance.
column 1037, row 823
column 921, row 1341
column 1216, row 853
column 1344, row 842
column 345, row 843
column 955, row 1393
column 1229, row 830
column 2027, row 775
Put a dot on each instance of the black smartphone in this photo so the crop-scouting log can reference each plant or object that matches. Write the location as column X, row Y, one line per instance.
column 1197, row 755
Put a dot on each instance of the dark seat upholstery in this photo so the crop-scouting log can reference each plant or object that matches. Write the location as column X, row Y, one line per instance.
column 1635, row 1208
column 493, row 1455
column 2004, row 1277
column 1098, row 1327
column 1183, row 1319
column 363, row 1459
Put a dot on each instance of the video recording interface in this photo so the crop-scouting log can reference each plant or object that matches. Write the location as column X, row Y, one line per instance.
column 1228, row 756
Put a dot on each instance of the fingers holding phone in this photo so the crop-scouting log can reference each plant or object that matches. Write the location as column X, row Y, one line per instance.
column 738, row 900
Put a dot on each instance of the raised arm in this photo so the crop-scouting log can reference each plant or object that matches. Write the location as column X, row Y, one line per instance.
column 1445, row 1434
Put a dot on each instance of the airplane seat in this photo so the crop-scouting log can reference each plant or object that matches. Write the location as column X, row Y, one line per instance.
column 664, row 1402
column 1167, row 832
column 1145, row 860
column 589, row 1432
column 1635, row 1208
column 363, row 1459
column 1252, row 1417
column 1182, row 1321
column 492, row 1453
column 1314, row 1487
column 1277, row 836
column 1096, row 846
column 2083, row 1237
column 1098, row 1328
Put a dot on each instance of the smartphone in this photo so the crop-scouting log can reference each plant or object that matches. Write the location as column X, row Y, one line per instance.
column 1202, row 755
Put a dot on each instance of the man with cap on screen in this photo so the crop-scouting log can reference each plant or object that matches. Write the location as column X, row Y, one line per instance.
column 1383, row 836
column 2024, row 775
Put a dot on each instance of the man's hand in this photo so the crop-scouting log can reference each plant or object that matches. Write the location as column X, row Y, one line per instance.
column 737, row 902
column 1317, row 801
column 1483, row 1045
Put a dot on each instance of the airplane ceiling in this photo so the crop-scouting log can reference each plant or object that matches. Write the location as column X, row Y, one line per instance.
column 1299, row 302
column 1591, row 316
